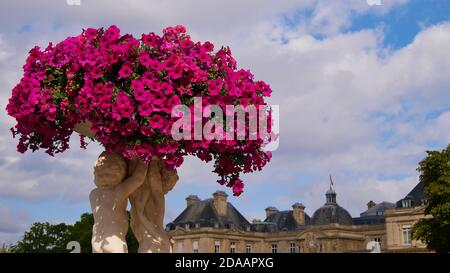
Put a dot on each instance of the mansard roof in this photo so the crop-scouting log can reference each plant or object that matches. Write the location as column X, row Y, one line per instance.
column 204, row 214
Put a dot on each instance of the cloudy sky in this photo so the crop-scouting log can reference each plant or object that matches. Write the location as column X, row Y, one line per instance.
column 363, row 93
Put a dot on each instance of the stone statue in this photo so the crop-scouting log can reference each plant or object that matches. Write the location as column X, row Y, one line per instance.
column 110, row 199
column 373, row 247
column 145, row 185
column 147, row 208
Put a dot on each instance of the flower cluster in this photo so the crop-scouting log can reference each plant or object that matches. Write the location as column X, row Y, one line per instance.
column 126, row 88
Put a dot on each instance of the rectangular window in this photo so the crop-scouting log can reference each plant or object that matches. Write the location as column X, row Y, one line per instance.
column 180, row 247
column 232, row 247
column 407, row 235
column 248, row 248
column 217, row 247
column 195, row 247
column 292, row 248
column 274, row 248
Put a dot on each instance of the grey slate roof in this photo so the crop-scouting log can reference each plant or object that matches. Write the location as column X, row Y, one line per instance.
column 378, row 209
column 280, row 221
column 331, row 213
column 374, row 215
column 416, row 195
column 204, row 214
column 369, row 220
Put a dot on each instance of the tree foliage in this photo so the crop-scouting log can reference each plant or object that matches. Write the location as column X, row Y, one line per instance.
column 44, row 238
column 435, row 173
column 48, row 238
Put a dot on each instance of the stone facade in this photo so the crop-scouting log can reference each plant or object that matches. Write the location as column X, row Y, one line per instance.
column 399, row 223
column 215, row 225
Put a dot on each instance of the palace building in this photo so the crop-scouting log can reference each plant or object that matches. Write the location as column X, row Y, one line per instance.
column 215, row 226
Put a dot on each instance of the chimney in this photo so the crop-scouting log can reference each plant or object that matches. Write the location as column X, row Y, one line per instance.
column 191, row 199
column 256, row 221
column 270, row 211
column 220, row 202
column 371, row 204
column 299, row 213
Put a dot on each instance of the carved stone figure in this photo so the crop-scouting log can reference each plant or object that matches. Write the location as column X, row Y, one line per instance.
column 109, row 201
column 147, row 208
column 145, row 186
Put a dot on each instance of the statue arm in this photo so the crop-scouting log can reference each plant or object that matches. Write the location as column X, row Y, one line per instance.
column 155, row 179
column 169, row 178
column 133, row 182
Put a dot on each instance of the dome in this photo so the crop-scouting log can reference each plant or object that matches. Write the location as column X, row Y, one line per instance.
column 331, row 213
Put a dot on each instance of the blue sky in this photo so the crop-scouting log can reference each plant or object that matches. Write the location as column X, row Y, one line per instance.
column 402, row 23
column 363, row 92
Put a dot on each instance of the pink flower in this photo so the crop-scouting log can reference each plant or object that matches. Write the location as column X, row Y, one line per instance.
column 157, row 100
column 208, row 46
column 147, row 131
column 170, row 103
column 91, row 34
column 149, row 39
column 154, row 87
column 176, row 72
column 145, row 59
column 125, row 71
column 124, row 104
column 96, row 72
column 214, row 86
column 203, row 57
column 141, row 95
column 137, row 85
column 187, row 44
column 238, row 187
column 166, row 88
column 145, row 109
column 129, row 128
column 157, row 122
column 112, row 33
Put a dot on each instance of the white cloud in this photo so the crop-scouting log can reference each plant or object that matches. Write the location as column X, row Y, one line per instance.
column 13, row 222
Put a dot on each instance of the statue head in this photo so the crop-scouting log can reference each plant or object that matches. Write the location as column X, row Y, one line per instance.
column 109, row 170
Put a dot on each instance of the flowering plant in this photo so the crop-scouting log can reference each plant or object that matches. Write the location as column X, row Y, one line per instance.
column 126, row 88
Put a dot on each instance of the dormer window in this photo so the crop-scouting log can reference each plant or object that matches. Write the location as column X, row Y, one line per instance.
column 406, row 203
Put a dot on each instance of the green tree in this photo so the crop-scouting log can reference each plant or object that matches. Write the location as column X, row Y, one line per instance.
column 4, row 248
column 44, row 238
column 82, row 232
column 435, row 173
